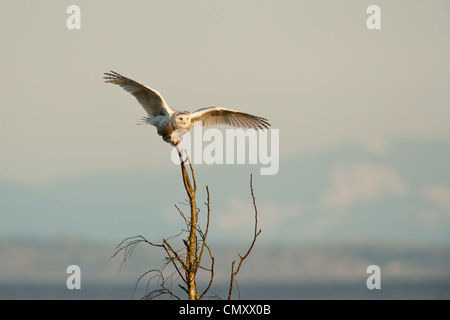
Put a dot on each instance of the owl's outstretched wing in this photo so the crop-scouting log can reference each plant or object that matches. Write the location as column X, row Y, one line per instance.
column 151, row 100
column 216, row 115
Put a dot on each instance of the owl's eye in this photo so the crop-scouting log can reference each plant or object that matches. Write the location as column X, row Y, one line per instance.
column 180, row 118
column 187, row 118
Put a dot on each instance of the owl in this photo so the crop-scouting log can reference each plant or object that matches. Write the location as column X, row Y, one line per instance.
column 172, row 124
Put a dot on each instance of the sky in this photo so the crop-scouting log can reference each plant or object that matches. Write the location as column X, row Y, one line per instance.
column 333, row 88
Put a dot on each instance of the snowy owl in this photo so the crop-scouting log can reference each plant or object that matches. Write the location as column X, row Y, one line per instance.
column 172, row 124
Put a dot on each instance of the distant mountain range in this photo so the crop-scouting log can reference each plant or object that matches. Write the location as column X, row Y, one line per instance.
column 37, row 269
column 46, row 260
column 392, row 192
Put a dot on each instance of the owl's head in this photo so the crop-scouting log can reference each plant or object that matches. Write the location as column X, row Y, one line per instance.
column 183, row 120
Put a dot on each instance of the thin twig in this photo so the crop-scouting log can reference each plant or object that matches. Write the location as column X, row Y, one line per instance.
column 130, row 246
column 207, row 247
column 255, row 235
column 204, row 235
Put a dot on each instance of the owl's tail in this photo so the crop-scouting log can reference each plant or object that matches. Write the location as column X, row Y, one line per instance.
column 144, row 120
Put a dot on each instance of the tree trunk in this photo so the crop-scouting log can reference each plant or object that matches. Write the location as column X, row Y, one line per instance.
column 191, row 253
column 191, row 264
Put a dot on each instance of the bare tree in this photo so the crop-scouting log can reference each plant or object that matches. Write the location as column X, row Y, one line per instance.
column 187, row 261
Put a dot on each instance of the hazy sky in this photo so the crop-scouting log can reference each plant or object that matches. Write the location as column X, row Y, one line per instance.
column 312, row 68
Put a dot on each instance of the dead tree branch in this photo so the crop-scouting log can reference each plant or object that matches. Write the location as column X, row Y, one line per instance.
column 188, row 260
column 190, row 266
column 255, row 235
